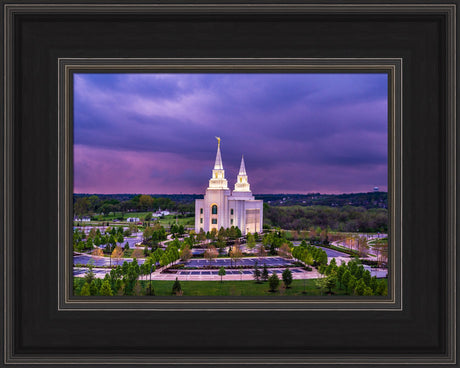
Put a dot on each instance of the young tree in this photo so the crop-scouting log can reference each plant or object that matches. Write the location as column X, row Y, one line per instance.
column 351, row 285
column 382, row 288
column 221, row 272
column 321, row 284
column 137, row 253
column 274, row 282
column 177, row 288
column 250, row 241
column 89, row 275
column 331, row 281
column 97, row 252
column 367, row 291
column 285, row 251
column 186, row 253
column 85, row 290
column 363, row 247
column 261, row 252
column 106, row 289
column 126, row 246
column 117, row 253
column 256, row 273
column 360, row 286
column 210, row 253
column 264, row 273
column 346, row 278
column 236, row 253
column 287, row 277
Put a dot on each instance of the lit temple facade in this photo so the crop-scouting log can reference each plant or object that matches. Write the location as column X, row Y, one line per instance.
column 221, row 208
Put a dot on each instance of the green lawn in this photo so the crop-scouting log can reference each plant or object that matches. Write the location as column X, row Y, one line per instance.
column 227, row 288
column 236, row 288
column 164, row 221
column 171, row 219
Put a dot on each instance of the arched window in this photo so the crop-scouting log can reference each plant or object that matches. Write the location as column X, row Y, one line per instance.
column 214, row 209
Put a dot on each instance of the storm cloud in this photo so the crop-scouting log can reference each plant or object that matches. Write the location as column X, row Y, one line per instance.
column 299, row 133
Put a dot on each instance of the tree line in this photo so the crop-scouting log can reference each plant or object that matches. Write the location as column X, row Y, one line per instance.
column 345, row 219
column 93, row 204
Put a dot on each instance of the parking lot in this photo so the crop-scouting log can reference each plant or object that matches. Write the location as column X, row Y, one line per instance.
column 245, row 262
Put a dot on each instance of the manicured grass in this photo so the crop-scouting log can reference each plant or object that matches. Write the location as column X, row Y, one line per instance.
column 236, row 288
column 229, row 288
column 166, row 221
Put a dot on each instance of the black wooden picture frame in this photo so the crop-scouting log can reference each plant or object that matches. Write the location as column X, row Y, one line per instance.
column 39, row 329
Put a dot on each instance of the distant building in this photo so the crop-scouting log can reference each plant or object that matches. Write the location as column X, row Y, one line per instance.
column 221, row 208
column 376, row 189
column 83, row 219
column 160, row 213
column 132, row 219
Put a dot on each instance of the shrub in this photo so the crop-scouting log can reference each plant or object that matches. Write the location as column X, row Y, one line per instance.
column 274, row 282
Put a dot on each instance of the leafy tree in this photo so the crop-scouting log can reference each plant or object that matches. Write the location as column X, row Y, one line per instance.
column 117, row 254
column 221, row 272
column 164, row 260
column 256, row 272
column 331, row 281
column 250, row 241
column 340, row 272
column 351, row 285
column 235, row 253
column 264, row 273
column 382, row 288
column 120, row 238
column 85, row 290
column 93, row 289
column 177, row 288
column 321, row 283
column 274, row 282
column 137, row 253
column 363, row 247
column 367, row 291
column 360, row 286
column 210, row 253
column 89, row 275
column 346, row 278
column 97, row 252
column 186, row 253
column 285, row 251
column 126, row 246
column 332, row 268
column 261, row 252
column 106, row 289
column 367, row 277
column 287, row 277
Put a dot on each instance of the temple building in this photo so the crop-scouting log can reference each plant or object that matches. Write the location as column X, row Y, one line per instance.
column 222, row 208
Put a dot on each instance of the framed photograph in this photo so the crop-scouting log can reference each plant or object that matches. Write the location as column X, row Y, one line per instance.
column 247, row 242
column 231, row 184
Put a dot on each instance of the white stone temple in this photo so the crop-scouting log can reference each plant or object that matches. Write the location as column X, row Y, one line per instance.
column 221, row 208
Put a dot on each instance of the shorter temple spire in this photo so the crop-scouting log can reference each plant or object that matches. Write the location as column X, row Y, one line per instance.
column 242, row 184
column 242, row 167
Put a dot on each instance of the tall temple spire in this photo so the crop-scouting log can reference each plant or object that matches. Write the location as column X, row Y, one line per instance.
column 218, row 165
column 218, row 180
column 242, row 184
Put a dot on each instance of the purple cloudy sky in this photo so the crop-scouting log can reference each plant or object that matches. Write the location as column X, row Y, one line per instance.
column 299, row 133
